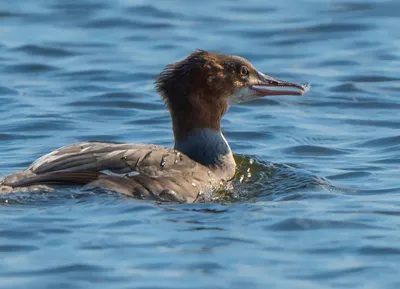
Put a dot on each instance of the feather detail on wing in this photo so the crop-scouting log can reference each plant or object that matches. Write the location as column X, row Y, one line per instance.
column 146, row 171
column 116, row 158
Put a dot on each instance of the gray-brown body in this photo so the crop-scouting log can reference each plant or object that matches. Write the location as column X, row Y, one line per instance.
column 144, row 171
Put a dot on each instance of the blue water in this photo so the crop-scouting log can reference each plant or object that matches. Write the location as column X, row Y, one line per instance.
column 321, row 208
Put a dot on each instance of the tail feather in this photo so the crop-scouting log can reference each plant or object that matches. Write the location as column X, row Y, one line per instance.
column 27, row 181
column 7, row 186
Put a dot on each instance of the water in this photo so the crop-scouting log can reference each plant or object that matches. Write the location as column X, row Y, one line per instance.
column 321, row 207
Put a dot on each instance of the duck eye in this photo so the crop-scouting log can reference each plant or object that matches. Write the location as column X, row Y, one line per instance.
column 244, row 71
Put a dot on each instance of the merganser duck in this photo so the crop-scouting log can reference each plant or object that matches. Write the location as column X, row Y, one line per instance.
column 198, row 91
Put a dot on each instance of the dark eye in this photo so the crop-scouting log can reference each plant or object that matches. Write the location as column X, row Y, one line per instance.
column 244, row 71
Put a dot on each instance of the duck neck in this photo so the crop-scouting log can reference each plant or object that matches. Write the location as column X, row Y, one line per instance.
column 208, row 147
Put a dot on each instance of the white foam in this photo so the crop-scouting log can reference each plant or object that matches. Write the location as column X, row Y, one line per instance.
column 306, row 88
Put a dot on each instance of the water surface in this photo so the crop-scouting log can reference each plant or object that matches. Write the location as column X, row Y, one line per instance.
column 319, row 207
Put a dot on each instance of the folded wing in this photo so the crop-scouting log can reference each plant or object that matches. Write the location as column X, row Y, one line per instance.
column 145, row 171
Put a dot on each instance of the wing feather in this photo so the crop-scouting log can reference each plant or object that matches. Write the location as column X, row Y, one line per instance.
column 147, row 170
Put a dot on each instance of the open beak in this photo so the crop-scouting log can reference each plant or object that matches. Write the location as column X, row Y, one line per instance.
column 262, row 86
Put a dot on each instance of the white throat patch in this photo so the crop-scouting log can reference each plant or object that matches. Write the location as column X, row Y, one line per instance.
column 243, row 94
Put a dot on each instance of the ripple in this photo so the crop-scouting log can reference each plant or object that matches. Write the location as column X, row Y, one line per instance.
column 67, row 269
column 352, row 6
column 125, row 23
column 118, row 104
column 349, row 175
column 290, row 42
column 115, row 95
column 381, row 142
column 16, row 136
column 7, row 91
column 240, row 135
column 19, row 235
column 332, row 28
column 44, row 51
column 261, row 180
column 56, row 231
column 297, row 224
column 40, row 126
column 97, row 137
column 346, row 87
column 380, row 251
column 339, row 62
column 93, row 75
column 313, row 150
column 378, row 191
column 88, row 88
column 29, row 68
column 153, row 12
column 256, row 33
column 337, row 273
column 122, row 224
column 358, row 104
column 252, row 10
column 387, row 161
column 327, row 250
column 17, row 248
column 384, row 9
column 371, row 78
column 374, row 123
column 391, row 149
column 149, row 120
column 9, row 14
column 83, row 44
column 81, row 6
column 206, row 267
column 389, row 213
